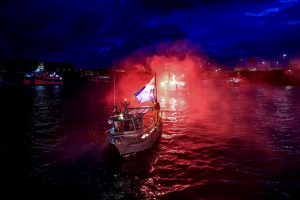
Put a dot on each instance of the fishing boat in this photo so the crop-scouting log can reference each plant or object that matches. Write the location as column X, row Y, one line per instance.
column 136, row 129
column 41, row 77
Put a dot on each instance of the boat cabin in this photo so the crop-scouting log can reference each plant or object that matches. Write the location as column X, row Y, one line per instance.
column 129, row 121
column 128, row 125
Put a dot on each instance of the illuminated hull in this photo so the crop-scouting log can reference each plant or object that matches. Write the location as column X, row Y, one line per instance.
column 133, row 142
column 28, row 81
column 47, row 82
column 34, row 81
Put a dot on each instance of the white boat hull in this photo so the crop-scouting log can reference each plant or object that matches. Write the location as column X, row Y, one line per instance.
column 128, row 143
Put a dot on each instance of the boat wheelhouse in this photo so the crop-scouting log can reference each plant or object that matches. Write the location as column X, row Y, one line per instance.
column 134, row 130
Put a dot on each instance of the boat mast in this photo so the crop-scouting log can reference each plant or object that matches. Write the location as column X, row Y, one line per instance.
column 115, row 110
column 155, row 87
column 114, row 91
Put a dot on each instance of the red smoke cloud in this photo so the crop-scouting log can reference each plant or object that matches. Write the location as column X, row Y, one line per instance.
column 175, row 59
column 185, row 62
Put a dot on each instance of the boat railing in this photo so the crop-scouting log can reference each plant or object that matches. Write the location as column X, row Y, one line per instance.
column 150, row 127
column 113, row 138
column 114, row 133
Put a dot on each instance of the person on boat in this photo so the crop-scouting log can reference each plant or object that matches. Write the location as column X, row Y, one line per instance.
column 138, row 123
column 125, row 103
column 128, row 125
column 119, row 126
column 115, row 111
column 156, row 111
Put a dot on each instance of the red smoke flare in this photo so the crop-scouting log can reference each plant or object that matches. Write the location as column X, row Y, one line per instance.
column 204, row 98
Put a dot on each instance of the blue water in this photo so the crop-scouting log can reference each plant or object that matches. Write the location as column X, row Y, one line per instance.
column 243, row 143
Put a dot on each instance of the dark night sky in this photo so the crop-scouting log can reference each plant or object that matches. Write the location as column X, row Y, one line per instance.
column 92, row 33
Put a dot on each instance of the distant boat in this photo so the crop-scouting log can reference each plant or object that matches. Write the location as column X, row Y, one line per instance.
column 41, row 77
column 235, row 81
column 136, row 129
column 174, row 88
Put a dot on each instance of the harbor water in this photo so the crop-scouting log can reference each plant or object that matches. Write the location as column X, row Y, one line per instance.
column 243, row 143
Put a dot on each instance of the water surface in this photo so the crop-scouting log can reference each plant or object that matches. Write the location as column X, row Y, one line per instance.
column 243, row 144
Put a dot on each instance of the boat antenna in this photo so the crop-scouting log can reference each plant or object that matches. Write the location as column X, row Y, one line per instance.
column 155, row 87
column 115, row 110
column 114, row 91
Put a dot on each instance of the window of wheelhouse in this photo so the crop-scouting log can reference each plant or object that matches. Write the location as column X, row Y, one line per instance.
column 138, row 123
column 128, row 125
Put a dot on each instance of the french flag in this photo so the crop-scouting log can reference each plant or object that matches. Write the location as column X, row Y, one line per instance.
column 146, row 93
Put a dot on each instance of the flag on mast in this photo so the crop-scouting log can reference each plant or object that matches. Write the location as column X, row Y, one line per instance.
column 146, row 93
